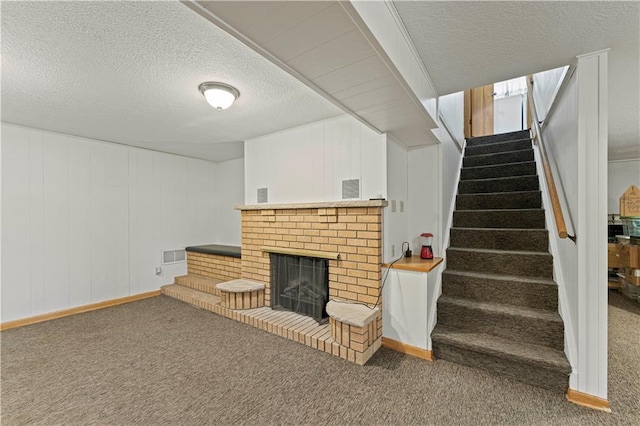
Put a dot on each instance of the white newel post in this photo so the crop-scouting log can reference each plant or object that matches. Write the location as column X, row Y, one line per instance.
column 592, row 223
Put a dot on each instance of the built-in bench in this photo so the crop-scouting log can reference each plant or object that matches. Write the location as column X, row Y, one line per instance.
column 221, row 250
column 356, row 327
column 241, row 294
column 214, row 261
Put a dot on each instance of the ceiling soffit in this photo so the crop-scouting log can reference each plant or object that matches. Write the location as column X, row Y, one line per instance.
column 320, row 44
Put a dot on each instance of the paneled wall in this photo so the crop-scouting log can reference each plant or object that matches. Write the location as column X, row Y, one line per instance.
column 85, row 221
column 308, row 163
column 622, row 174
column 396, row 214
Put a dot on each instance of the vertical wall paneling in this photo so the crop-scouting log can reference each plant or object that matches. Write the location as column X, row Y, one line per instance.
column 320, row 155
column 16, row 298
column 79, row 222
column 143, row 195
column 56, row 222
column 36, row 222
column 134, row 241
column 117, row 221
column 98, row 223
column 226, row 222
column 85, row 221
column 395, row 222
column 180, row 202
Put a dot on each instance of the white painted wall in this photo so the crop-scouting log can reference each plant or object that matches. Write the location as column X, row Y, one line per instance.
column 576, row 139
column 229, row 192
column 451, row 114
column 85, row 221
column 308, row 163
column 545, row 89
column 509, row 114
column 561, row 139
column 621, row 175
column 396, row 213
column 424, row 197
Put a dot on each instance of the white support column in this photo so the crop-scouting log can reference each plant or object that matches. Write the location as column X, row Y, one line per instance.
column 592, row 224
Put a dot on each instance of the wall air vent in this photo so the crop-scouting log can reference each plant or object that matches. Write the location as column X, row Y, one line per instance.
column 263, row 195
column 173, row 256
column 350, row 189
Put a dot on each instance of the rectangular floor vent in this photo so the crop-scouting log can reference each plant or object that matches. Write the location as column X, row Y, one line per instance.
column 173, row 256
column 263, row 195
column 350, row 189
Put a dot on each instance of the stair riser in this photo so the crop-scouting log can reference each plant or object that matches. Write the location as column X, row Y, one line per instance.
column 501, row 158
column 497, row 147
column 503, row 137
column 500, row 239
column 522, row 183
column 520, row 200
column 507, row 170
column 525, row 373
column 510, row 292
column 520, row 329
column 515, row 264
column 525, row 219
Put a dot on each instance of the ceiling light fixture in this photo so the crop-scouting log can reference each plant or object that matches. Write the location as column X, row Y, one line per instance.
column 219, row 95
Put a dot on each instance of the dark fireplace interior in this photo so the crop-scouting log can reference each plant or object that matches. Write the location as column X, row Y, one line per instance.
column 300, row 284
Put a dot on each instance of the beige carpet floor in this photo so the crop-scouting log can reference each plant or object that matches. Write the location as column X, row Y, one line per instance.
column 162, row 362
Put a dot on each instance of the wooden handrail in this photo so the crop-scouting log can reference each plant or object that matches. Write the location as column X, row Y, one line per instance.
column 556, row 206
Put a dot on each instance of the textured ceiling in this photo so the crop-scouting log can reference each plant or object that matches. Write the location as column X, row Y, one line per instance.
column 470, row 44
column 128, row 72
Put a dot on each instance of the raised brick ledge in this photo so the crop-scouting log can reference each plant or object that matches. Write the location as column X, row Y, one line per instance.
column 240, row 286
column 324, row 205
column 351, row 313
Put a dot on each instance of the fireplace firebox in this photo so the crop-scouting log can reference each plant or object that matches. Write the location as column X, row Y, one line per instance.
column 300, row 284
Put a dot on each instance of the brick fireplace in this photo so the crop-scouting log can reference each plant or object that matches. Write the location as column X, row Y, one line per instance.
column 349, row 235
column 352, row 230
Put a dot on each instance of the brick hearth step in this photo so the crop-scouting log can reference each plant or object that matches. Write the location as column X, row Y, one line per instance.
column 193, row 297
column 200, row 283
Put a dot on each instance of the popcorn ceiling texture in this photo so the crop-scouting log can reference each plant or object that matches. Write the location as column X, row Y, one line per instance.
column 128, row 72
column 470, row 44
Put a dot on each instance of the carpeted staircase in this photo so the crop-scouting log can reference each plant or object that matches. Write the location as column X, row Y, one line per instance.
column 499, row 305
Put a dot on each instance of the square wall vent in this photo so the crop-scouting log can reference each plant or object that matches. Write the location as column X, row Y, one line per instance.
column 350, row 189
column 173, row 256
column 263, row 195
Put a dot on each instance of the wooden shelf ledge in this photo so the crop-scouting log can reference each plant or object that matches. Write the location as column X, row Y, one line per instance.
column 415, row 264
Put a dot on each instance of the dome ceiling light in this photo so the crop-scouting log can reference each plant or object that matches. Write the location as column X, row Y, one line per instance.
column 219, row 95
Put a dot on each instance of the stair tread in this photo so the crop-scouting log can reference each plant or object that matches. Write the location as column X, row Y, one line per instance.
column 499, row 210
column 192, row 293
column 500, row 153
column 501, row 277
column 482, row 194
column 499, row 308
column 538, row 355
column 497, row 165
column 514, row 133
column 501, row 179
column 498, row 229
column 499, row 143
column 495, row 251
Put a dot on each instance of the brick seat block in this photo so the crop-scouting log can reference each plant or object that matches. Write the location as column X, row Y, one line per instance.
column 351, row 313
column 240, row 286
column 357, row 327
column 242, row 294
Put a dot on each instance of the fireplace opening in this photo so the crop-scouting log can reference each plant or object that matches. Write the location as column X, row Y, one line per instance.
column 300, row 284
